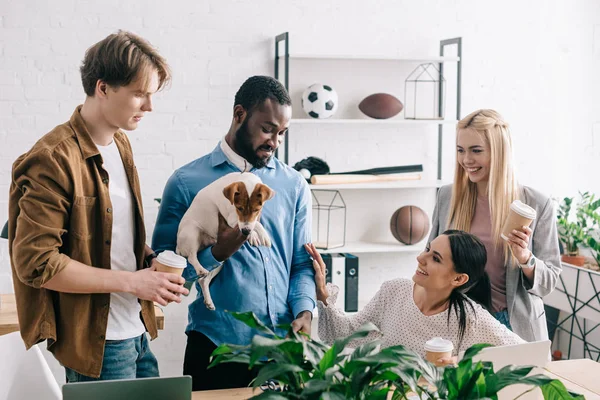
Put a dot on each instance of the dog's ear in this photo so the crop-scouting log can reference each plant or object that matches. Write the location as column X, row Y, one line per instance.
column 231, row 191
column 263, row 192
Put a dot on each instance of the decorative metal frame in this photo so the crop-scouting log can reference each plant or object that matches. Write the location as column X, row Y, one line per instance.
column 424, row 74
column 575, row 325
column 331, row 206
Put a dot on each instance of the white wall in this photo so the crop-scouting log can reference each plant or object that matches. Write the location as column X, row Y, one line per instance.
column 536, row 62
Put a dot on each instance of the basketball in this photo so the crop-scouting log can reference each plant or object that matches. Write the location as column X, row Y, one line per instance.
column 409, row 224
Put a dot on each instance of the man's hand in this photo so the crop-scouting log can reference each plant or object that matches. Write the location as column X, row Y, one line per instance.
column 302, row 323
column 229, row 240
column 160, row 287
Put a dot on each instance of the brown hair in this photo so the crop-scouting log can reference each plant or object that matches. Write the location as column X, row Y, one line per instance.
column 120, row 59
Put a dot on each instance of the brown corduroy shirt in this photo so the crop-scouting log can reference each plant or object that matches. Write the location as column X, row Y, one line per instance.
column 60, row 209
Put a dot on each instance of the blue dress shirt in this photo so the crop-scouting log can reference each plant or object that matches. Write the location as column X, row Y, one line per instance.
column 276, row 283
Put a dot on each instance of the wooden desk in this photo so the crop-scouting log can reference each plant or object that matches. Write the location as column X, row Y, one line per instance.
column 8, row 314
column 227, row 394
column 584, row 373
column 579, row 376
column 10, row 323
column 160, row 317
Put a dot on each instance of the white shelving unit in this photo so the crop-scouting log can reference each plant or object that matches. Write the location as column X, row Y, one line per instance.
column 364, row 121
column 374, row 57
column 411, row 184
column 373, row 247
column 369, row 206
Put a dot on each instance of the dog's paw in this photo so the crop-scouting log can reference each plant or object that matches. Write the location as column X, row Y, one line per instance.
column 201, row 272
column 266, row 241
column 254, row 239
column 210, row 305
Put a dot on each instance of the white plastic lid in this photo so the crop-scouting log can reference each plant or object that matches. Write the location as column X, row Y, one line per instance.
column 439, row 345
column 170, row 259
column 523, row 209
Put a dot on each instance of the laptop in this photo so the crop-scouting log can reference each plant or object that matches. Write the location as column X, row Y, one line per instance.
column 532, row 353
column 175, row 388
column 536, row 354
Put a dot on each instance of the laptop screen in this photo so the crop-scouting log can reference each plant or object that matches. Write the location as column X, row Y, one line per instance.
column 175, row 388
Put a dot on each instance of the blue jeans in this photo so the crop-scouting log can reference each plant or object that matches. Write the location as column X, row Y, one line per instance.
column 502, row 316
column 123, row 359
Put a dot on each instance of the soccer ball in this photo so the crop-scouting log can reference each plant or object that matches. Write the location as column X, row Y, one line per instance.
column 319, row 101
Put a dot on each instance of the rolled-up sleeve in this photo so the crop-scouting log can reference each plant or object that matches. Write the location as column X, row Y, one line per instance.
column 547, row 254
column 40, row 188
column 302, row 293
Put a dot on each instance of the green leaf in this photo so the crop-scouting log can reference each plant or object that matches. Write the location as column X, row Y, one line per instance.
column 228, row 348
column 361, row 332
column 509, row 375
column 333, row 396
column 328, row 358
column 365, row 349
column 555, row 390
column 282, row 350
column 474, row 350
column 379, row 394
column 252, row 321
column 313, row 353
column 240, row 358
column 270, row 395
column 275, row 371
column 315, row 387
column 480, row 388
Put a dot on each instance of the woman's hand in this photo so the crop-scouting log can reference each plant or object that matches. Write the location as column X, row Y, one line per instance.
column 320, row 272
column 446, row 362
column 518, row 241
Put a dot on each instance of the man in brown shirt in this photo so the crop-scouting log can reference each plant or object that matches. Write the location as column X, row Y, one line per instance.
column 76, row 225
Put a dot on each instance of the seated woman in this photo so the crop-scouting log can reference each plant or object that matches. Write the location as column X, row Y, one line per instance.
column 449, row 297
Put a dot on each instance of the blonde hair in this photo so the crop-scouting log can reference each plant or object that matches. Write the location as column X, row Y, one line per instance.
column 502, row 188
column 120, row 59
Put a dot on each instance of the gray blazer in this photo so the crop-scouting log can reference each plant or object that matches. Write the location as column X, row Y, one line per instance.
column 524, row 300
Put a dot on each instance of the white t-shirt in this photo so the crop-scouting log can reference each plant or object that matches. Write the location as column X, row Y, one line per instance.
column 124, row 320
column 401, row 322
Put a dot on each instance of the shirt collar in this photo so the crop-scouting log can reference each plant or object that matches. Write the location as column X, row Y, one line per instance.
column 86, row 144
column 219, row 157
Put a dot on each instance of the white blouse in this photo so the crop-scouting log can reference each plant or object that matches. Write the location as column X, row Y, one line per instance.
column 394, row 312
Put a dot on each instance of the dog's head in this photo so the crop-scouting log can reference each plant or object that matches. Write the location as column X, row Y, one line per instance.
column 247, row 205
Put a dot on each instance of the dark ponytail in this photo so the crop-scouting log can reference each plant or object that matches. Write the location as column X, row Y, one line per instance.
column 469, row 257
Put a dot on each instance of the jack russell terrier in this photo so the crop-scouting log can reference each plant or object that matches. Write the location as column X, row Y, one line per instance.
column 239, row 197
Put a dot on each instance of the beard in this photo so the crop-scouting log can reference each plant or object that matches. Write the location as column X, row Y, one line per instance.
column 246, row 150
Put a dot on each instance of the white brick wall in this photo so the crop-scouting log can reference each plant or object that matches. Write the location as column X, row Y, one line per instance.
column 537, row 62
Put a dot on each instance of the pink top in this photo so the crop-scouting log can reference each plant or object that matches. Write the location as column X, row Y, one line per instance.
column 481, row 226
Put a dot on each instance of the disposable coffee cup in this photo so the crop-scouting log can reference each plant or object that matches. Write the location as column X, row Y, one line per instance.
column 519, row 215
column 168, row 261
column 436, row 349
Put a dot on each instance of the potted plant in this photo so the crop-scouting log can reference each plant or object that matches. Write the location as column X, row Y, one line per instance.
column 307, row 369
column 590, row 216
column 571, row 233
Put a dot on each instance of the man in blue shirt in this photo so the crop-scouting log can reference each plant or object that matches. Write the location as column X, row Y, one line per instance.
column 276, row 283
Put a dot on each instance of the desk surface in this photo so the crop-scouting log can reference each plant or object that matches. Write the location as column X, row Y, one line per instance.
column 584, row 373
column 8, row 314
column 579, row 376
column 9, row 321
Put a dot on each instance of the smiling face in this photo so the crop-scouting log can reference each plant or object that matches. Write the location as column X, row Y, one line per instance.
column 473, row 154
column 261, row 131
column 435, row 268
column 247, row 207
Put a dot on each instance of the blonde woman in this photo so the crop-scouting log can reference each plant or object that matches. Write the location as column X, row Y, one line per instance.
column 523, row 268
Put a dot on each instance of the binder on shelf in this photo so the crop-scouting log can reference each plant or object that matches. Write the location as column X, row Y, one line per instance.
column 342, row 271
